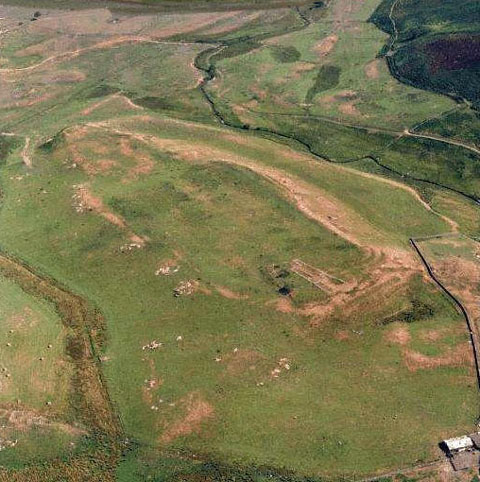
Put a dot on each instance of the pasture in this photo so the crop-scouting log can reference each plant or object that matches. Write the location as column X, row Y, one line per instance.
column 35, row 381
column 199, row 199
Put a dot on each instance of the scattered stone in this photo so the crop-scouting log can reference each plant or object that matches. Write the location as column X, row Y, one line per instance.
column 153, row 345
column 167, row 270
column 276, row 372
column 78, row 198
column 179, row 338
column 151, row 383
column 129, row 247
column 185, row 288
column 5, row 444
column 218, row 359
column 9, row 344
column 283, row 364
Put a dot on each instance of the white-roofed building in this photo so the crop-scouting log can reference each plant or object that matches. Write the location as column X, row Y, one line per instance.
column 459, row 444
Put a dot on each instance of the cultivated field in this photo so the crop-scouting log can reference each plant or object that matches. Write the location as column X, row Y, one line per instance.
column 205, row 249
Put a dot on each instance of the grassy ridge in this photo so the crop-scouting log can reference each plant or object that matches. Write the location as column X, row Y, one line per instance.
column 227, row 226
column 233, row 233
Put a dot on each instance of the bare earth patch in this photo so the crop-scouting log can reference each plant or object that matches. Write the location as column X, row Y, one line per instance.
column 85, row 200
column 179, row 24
column 226, row 293
column 399, row 335
column 390, row 267
column 144, row 163
column 284, row 305
column 197, row 411
column 24, row 319
column 326, row 45
column 372, row 69
column 432, row 335
column 349, row 108
column 342, row 335
column 22, row 419
column 458, row 356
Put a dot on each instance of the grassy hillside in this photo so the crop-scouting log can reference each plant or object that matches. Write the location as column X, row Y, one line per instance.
column 204, row 209
column 35, row 382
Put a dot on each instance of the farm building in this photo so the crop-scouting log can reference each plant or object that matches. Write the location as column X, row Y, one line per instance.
column 463, row 452
column 459, row 444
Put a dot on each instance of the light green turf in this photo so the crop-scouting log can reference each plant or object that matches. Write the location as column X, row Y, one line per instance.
column 380, row 101
column 32, row 374
column 226, row 226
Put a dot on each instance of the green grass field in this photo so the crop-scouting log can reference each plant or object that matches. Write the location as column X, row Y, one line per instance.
column 244, row 309
column 35, row 382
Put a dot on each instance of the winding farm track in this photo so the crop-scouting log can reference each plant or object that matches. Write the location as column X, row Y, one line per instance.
column 436, row 464
column 25, row 153
column 408, row 132
column 100, row 45
column 204, row 63
column 443, row 140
